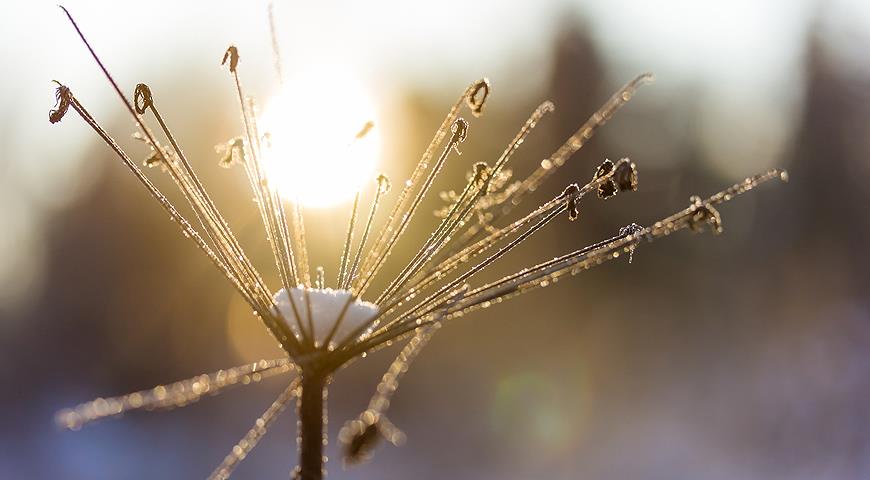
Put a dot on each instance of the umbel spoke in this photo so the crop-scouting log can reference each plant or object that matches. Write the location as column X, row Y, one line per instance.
column 173, row 395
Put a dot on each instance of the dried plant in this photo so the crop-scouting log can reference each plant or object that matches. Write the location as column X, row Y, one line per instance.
column 322, row 329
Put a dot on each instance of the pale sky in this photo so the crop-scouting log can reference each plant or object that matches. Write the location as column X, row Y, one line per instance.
column 745, row 55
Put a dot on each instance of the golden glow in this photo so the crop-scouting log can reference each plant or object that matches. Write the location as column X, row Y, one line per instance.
column 314, row 156
column 247, row 342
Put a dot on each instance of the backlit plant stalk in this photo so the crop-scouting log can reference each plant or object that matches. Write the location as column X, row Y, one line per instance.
column 323, row 329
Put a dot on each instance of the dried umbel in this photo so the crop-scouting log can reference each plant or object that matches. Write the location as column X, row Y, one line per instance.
column 63, row 98
column 322, row 325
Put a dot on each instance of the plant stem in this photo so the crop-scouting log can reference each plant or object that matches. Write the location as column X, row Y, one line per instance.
column 312, row 425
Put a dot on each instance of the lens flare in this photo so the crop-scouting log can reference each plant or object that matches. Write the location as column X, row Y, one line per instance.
column 313, row 154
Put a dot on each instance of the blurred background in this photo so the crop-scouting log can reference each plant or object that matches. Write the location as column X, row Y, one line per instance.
column 745, row 355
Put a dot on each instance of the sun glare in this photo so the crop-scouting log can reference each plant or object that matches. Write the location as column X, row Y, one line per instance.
column 313, row 124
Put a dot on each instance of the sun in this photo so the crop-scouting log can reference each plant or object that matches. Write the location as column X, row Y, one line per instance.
column 313, row 152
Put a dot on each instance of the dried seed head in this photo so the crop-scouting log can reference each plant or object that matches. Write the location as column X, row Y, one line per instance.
column 369, row 125
column 359, row 437
column 570, row 195
column 624, row 178
column 627, row 231
column 158, row 156
column 142, row 98
column 630, row 229
column 477, row 96
column 459, row 130
column 361, row 445
column 481, row 176
column 625, row 175
column 383, row 184
column 63, row 98
column 231, row 152
column 704, row 214
column 460, row 133
column 608, row 188
column 158, row 153
column 232, row 54
column 153, row 160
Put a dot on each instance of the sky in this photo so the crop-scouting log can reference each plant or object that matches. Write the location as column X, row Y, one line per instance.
column 739, row 56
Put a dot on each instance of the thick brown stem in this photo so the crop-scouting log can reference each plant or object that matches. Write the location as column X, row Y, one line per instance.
column 312, row 425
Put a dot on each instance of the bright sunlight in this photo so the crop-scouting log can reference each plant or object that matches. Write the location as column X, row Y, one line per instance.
column 315, row 156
